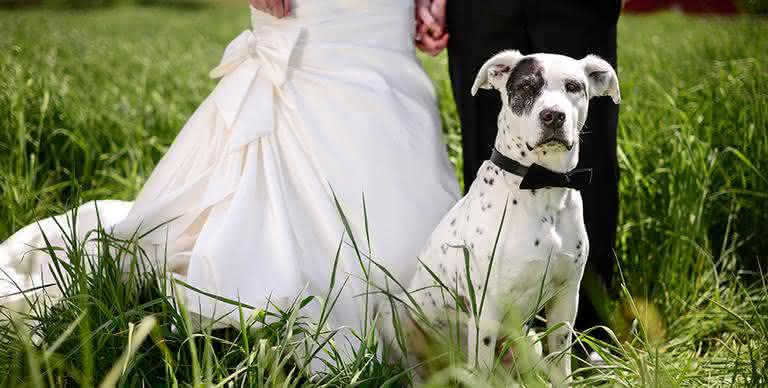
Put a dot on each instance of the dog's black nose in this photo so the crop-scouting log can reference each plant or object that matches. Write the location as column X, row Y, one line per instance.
column 552, row 119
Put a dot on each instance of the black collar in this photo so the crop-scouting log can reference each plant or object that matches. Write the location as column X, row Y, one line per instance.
column 538, row 177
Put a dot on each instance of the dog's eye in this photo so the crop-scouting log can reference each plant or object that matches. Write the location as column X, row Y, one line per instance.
column 525, row 87
column 572, row 87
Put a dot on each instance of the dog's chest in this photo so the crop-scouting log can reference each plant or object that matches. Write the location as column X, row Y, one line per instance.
column 542, row 241
column 542, row 250
column 540, row 236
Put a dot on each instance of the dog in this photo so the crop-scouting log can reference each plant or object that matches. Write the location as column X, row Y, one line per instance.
column 519, row 231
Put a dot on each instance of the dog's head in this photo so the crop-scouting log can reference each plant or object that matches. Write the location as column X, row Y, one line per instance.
column 545, row 99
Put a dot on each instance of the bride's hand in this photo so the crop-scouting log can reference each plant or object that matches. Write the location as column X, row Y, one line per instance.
column 431, row 36
column 276, row 8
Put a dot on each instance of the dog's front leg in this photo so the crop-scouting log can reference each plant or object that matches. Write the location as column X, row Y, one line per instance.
column 562, row 310
column 481, row 339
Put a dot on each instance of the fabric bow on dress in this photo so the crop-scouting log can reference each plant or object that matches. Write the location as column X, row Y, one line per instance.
column 255, row 57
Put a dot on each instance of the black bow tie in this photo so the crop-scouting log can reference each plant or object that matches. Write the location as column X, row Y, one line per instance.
column 538, row 177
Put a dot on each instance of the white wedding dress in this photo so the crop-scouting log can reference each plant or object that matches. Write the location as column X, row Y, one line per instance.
column 330, row 100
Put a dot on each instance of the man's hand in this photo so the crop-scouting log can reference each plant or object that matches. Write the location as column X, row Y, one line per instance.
column 431, row 36
column 276, row 8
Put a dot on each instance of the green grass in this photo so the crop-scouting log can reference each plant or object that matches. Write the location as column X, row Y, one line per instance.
column 90, row 100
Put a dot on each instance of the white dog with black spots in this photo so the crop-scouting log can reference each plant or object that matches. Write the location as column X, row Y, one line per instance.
column 542, row 242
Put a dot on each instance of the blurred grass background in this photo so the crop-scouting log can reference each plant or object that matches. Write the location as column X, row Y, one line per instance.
column 90, row 100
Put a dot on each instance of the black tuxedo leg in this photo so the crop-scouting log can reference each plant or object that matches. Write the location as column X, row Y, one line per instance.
column 577, row 28
column 477, row 33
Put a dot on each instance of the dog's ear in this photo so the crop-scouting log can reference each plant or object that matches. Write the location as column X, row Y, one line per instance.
column 602, row 78
column 495, row 71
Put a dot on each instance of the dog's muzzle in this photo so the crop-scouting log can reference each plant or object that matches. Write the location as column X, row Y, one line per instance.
column 551, row 140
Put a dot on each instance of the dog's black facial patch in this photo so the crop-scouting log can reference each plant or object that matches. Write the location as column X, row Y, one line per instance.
column 524, row 86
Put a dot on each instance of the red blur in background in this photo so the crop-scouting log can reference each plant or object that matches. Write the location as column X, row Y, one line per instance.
column 689, row 6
